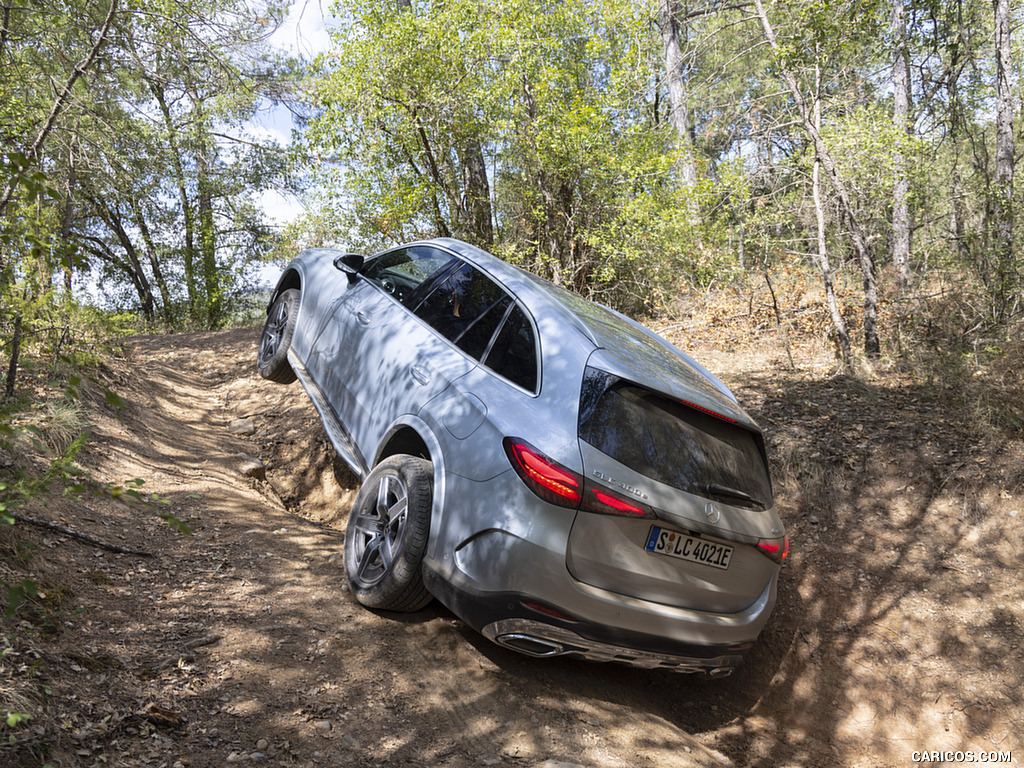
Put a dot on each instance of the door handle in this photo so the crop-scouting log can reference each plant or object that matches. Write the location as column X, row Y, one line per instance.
column 420, row 376
column 364, row 319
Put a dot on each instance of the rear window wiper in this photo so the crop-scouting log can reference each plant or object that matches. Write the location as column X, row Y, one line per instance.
column 725, row 492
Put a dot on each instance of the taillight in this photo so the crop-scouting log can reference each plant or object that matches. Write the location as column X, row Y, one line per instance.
column 553, row 482
column 557, row 484
column 776, row 549
column 608, row 502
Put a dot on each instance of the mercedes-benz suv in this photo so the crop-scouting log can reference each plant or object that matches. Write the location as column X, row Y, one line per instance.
column 563, row 479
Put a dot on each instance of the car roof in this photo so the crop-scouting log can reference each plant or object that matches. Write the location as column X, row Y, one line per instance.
column 625, row 347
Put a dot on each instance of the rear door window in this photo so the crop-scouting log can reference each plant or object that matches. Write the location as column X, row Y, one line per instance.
column 514, row 352
column 674, row 443
column 479, row 317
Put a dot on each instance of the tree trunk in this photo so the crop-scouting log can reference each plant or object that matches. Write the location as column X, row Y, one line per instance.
column 477, row 192
column 872, row 348
column 208, row 237
column 12, row 368
column 128, row 265
column 675, row 77
column 133, row 268
column 5, row 26
column 956, row 187
column 838, row 323
column 1006, row 267
column 186, row 204
column 154, row 262
column 43, row 264
column 901, row 122
column 65, row 248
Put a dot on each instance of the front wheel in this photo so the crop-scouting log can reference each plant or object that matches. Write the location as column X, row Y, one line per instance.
column 386, row 538
column 272, row 357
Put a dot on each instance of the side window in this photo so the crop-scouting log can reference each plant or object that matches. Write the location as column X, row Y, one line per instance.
column 401, row 272
column 514, row 351
column 480, row 318
column 466, row 308
column 477, row 336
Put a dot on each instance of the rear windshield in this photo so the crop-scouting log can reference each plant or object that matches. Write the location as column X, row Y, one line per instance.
column 674, row 443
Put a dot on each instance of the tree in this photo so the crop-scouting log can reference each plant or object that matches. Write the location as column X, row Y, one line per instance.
column 31, row 153
column 402, row 110
column 675, row 78
column 37, row 48
column 838, row 323
column 413, row 99
column 1007, row 277
column 901, row 124
column 872, row 347
column 168, row 93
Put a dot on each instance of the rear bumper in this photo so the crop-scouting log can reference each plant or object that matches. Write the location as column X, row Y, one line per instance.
column 503, row 618
column 485, row 574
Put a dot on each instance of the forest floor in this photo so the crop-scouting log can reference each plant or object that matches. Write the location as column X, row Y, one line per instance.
column 898, row 627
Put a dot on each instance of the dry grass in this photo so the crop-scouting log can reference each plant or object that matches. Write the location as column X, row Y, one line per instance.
column 61, row 422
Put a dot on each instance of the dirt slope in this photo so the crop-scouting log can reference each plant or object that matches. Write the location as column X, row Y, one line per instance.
column 898, row 627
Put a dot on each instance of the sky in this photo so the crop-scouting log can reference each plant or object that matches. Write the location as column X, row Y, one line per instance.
column 303, row 33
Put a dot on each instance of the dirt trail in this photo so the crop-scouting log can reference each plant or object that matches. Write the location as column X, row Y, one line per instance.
column 240, row 643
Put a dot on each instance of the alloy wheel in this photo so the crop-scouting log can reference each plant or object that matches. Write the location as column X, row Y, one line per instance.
column 380, row 528
column 273, row 331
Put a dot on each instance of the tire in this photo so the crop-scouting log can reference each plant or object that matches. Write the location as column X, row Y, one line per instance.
column 272, row 357
column 386, row 538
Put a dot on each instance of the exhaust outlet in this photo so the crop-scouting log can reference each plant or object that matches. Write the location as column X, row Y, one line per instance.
column 530, row 645
column 540, row 640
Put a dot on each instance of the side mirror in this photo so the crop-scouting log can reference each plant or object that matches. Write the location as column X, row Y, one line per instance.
column 350, row 264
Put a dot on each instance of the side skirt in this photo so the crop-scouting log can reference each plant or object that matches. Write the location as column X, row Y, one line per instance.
column 340, row 438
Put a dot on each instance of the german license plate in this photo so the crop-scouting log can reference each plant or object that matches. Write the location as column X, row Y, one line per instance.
column 691, row 548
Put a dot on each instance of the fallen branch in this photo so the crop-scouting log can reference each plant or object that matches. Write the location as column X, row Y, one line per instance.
column 199, row 642
column 78, row 535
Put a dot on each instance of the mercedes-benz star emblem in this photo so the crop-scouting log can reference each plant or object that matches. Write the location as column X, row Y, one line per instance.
column 712, row 513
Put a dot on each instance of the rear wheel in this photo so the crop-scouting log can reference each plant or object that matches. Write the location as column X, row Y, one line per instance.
column 386, row 538
column 272, row 358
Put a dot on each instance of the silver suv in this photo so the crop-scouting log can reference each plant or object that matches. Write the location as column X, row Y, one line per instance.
column 562, row 478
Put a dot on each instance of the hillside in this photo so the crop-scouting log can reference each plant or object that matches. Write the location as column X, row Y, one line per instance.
column 898, row 626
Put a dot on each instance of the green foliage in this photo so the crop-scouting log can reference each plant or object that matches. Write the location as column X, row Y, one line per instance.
column 14, row 719
column 535, row 129
column 181, row 526
column 149, row 179
column 21, row 488
column 17, row 594
column 5, row 516
column 552, row 96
